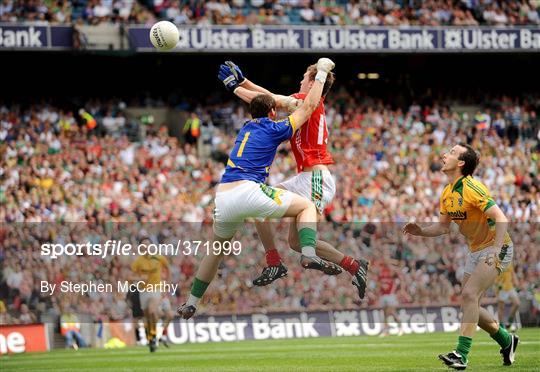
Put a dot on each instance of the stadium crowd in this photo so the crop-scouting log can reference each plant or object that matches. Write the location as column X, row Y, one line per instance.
column 61, row 167
column 276, row 12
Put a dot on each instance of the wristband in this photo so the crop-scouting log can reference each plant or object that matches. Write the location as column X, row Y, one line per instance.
column 321, row 76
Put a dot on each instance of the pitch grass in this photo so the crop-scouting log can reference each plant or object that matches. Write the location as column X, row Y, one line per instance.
column 406, row 353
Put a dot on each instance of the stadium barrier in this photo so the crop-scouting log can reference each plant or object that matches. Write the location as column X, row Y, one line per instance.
column 278, row 38
column 28, row 36
column 310, row 39
column 16, row 339
column 368, row 322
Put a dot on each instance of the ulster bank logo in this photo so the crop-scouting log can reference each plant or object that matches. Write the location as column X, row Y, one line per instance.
column 458, row 215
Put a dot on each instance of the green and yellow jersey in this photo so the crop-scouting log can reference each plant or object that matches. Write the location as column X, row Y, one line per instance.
column 466, row 202
column 505, row 281
column 150, row 266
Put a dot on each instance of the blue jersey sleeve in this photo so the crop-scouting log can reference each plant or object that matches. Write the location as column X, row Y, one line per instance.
column 282, row 130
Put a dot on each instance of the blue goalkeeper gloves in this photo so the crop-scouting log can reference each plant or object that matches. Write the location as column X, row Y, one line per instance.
column 227, row 78
column 230, row 75
column 236, row 72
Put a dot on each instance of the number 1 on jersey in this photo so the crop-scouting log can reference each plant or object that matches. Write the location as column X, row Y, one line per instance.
column 242, row 145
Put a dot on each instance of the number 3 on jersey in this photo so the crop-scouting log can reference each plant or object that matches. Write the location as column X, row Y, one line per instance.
column 322, row 129
column 242, row 145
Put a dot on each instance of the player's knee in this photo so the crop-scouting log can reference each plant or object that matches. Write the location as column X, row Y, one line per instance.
column 294, row 243
column 311, row 207
column 469, row 295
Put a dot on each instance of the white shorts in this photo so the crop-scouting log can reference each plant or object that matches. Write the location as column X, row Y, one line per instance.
column 318, row 186
column 165, row 305
column 506, row 296
column 145, row 298
column 505, row 256
column 389, row 300
column 248, row 200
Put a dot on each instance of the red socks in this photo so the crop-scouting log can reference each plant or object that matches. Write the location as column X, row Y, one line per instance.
column 349, row 264
column 273, row 258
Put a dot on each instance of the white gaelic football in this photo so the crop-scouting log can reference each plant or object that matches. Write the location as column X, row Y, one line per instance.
column 164, row 35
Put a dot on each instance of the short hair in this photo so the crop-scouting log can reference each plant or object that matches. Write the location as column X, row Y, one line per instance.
column 261, row 105
column 312, row 71
column 471, row 159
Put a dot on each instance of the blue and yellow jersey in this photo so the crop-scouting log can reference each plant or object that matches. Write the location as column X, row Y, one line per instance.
column 255, row 148
column 466, row 202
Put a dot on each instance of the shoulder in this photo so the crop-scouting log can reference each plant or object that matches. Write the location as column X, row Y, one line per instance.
column 299, row 95
column 446, row 190
column 474, row 186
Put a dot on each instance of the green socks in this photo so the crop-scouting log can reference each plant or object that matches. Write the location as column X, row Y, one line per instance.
column 463, row 347
column 502, row 337
column 308, row 241
column 197, row 291
column 198, row 288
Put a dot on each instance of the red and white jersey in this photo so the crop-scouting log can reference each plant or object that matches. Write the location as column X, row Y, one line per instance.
column 388, row 281
column 309, row 142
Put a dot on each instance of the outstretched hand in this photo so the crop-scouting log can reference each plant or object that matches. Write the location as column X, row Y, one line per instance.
column 412, row 228
column 227, row 78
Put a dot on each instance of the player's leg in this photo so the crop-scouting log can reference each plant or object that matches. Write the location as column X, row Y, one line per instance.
column 488, row 323
column 501, row 305
column 230, row 211
column 323, row 249
column 266, row 235
column 384, row 305
column 321, row 188
column 205, row 274
column 151, row 314
column 166, row 314
column 507, row 341
column 274, row 267
column 357, row 268
column 514, row 301
column 306, row 226
column 481, row 278
column 392, row 314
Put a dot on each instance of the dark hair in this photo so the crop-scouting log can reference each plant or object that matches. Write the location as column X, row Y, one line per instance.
column 471, row 159
column 261, row 105
column 312, row 70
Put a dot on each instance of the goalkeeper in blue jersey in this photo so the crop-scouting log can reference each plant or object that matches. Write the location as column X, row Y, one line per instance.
column 242, row 192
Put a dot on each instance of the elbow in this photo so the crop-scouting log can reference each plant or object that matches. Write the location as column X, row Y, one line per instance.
column 311, row 106
column 445, row 229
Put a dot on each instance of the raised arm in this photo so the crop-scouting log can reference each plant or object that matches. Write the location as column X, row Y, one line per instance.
column 301, row 115
column 246, row 90
column 243, row 81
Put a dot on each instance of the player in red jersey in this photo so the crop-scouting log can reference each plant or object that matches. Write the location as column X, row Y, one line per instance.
column 388, row 280
column 313, row 181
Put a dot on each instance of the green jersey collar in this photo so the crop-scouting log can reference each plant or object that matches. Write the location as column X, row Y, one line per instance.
column 458, row 186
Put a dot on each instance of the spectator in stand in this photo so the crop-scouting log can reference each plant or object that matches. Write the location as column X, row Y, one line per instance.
column 390, row 12
column 70, row 328
column 57, row 171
